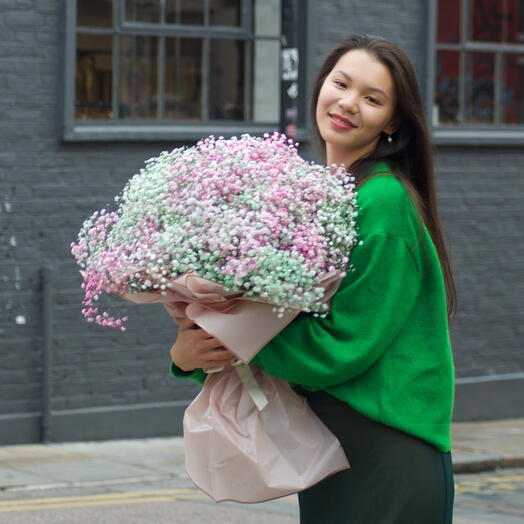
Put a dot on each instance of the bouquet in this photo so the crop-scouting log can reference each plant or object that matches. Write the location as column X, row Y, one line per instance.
column 238, row 235
column 248, row 214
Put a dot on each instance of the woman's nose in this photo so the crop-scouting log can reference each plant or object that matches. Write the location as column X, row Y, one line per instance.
column 348, row 103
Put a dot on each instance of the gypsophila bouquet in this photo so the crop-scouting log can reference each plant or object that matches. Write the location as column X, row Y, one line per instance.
column 247, row 213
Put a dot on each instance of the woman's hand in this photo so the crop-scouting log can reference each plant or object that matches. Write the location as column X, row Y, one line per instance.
column 196, row 348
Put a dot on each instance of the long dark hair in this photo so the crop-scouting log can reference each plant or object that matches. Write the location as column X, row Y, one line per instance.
column 410, row 154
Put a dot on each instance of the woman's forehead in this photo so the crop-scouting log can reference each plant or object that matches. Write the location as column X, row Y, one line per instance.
column 365, row 69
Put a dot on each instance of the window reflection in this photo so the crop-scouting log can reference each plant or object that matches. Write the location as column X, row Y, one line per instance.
column 178, row 88
column 94, row 13
column 447, row 88
column 143, row 11
column 183, row 96
column 497, row 20
column 480, row 88
column 513, row 89
column 93, row 78
column 185, row 12
column 226, row 83
column 138, row 77
column 225, row 12
column 448, row 21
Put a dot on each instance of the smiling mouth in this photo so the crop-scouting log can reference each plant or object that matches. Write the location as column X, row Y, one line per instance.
column 341, row 122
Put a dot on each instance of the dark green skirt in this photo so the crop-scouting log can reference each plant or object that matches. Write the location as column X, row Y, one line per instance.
column 395, row 478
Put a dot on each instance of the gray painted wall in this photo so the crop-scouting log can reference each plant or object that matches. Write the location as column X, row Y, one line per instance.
column 111, row 384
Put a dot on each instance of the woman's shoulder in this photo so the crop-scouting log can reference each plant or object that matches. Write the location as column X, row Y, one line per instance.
column 382, row 184
column 384, row 204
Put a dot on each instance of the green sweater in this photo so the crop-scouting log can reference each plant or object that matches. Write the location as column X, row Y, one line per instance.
column 384, row 348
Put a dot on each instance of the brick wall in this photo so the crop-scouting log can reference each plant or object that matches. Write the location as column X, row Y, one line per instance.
column 48, row 187
column 481, row 190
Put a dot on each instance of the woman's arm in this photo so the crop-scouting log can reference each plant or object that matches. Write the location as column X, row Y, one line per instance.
column 366, row 314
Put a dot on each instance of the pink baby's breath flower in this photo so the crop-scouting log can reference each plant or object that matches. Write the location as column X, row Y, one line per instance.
column 247, row 212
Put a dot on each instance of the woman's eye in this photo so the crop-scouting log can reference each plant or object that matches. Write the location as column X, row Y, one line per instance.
column 340, row 84
column 373, row 100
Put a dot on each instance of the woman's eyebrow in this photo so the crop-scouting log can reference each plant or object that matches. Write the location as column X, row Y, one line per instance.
column 374, row 89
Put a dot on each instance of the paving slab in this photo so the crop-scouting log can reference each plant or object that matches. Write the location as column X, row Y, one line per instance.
column 487, row 445
column 11, row 477
column 85, row 470
column 507, row 436
column 477, row 446
column 161, row 455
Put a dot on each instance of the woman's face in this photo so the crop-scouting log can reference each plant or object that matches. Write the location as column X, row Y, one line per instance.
column 356, row 104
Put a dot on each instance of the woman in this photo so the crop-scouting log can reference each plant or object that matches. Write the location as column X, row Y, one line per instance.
column 378, row 369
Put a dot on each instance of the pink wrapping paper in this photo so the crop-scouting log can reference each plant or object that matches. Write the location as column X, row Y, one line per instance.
column 236, row 452
column 243, row 326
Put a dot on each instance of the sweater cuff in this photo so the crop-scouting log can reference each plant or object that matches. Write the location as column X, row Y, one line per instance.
column 197, row 374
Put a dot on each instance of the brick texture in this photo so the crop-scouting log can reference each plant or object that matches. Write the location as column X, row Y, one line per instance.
column 48, row 187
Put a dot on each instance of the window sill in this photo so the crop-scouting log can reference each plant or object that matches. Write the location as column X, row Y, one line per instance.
column 478, row 137
column 156, row 133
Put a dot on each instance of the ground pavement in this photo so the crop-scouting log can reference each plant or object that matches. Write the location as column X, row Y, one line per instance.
column 107, row 466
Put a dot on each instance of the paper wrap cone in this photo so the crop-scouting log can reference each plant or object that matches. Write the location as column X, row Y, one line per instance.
column 248, row 436
column 236, row 452
column 241, row 324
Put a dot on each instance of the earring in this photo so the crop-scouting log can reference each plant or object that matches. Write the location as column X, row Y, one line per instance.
column 389, row 139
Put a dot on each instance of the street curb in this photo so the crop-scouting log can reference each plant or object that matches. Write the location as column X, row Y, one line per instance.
column 463, row 463
column 477, row 462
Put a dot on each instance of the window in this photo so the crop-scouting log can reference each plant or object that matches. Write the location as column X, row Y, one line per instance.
column 479, row 67
column 164, row 69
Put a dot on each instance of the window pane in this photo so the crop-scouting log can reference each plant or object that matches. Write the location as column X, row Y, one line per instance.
column 496, row 20
column 138, row 76
column 143, row 11
column 94, row 13
column 94, row 59
column 226, row 83
column 267, row 81
column 480, row 87
column 185, row 12
column 513, row 89
column 448, row 21
column 225, row 12
column 447, row 88
column 183, row 79
column 520, row 21
column 267, row 17
column 514, row 21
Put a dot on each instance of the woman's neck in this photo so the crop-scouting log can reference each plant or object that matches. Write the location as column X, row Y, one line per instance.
column 346, row 157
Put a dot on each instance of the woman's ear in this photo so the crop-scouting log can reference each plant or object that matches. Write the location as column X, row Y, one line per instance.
column 390, row 128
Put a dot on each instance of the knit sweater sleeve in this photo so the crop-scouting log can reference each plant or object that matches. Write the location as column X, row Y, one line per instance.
column 198, row 375
column 369, row 309
column 372, row 305
column 366, row 314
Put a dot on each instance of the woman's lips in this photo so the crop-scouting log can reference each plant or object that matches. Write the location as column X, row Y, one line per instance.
column 340, row 122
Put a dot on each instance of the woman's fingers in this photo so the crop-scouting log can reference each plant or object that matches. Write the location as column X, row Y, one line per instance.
column 216, row 364
column 209, row 344
column 220, row 354
column 185, row 323
column 219, row 358
column 198, row 331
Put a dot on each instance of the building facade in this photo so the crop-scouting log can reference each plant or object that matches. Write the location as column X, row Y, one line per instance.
column 90, row 89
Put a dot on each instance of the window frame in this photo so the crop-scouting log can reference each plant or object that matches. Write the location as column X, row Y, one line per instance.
column 465, row 134
column 154, row 130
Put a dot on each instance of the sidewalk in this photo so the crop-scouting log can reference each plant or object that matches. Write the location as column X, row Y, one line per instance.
column 478, row 446
column 484, row 446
